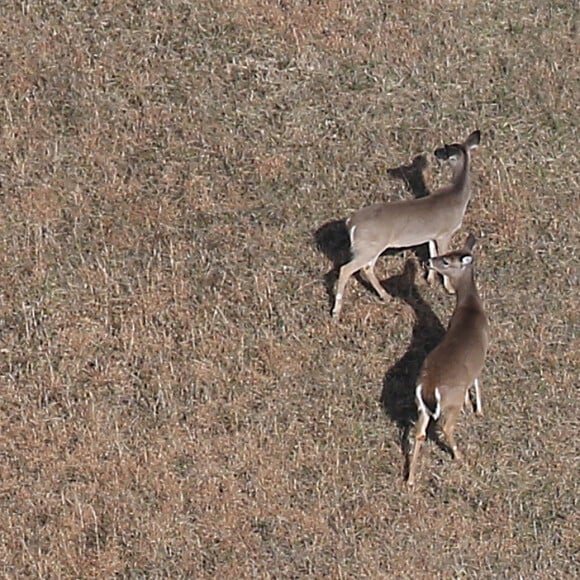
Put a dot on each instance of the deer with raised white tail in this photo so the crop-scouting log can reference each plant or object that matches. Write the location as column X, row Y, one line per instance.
column 408, row 223
column 456, row 363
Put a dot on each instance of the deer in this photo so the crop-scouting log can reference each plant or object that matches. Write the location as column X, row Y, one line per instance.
column 453, row 366
column 407, row 223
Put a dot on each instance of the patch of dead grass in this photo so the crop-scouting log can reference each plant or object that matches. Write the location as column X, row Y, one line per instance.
column 175, row 399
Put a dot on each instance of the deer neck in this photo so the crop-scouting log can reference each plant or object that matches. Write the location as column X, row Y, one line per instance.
column 460, row 181
column 466, row 292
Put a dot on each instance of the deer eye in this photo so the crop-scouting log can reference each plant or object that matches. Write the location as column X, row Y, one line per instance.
column 445, row 262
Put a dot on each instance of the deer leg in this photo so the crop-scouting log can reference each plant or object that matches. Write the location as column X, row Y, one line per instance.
column 432, row 275
column 448, row 433
column 442, row 247
column 478, row 407
column 420, row 435
column 467, row 402
column 369, row 271
column 346, row 272
column 439, row 247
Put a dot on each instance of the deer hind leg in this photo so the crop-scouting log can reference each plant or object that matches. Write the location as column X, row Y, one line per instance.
column 448, row 429
column 346, row 272
column 420, row 435
column 369, row 271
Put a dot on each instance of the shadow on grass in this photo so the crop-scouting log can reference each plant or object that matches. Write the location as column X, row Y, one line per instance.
column 332, row 238
column 398, row 393
column 414, row 178
column 333, row 241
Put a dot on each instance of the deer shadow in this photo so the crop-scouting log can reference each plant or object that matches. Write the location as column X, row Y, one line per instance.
column 398, row 392
column 413, row 176
column 333, row 240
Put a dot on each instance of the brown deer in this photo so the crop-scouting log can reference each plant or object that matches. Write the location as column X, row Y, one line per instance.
column 408, row 223
column 456, row 363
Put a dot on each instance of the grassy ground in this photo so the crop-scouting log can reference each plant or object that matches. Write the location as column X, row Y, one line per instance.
column 175, row 400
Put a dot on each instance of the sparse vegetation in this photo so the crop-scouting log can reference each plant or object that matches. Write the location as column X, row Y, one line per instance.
column 176, row 401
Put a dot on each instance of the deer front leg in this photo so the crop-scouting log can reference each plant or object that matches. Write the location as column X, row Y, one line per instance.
column 432, row 275
column 478, row 407
column 440, row 246
column 467, row 402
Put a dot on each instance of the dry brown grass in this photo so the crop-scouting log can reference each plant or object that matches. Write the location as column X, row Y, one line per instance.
column 175, row 399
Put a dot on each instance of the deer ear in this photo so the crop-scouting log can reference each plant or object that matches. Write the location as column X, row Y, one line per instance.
column 473, row 140
column 466, row 260
column 470, row 243
column 442, row 153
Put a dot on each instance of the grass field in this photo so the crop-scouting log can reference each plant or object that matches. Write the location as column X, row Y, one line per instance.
column 175, row 399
